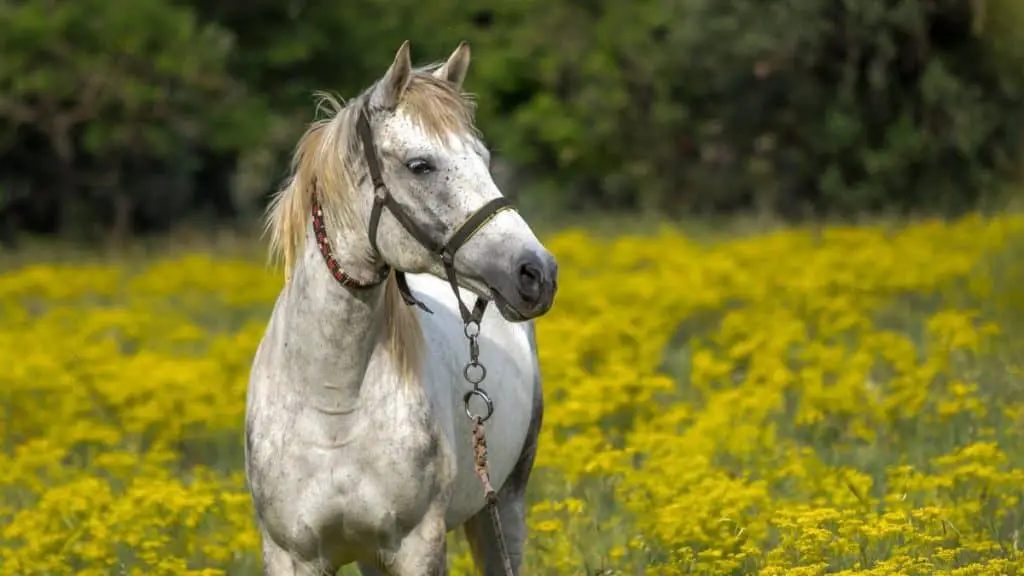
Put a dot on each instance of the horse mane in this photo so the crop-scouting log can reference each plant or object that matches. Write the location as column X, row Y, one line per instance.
column 328, row 158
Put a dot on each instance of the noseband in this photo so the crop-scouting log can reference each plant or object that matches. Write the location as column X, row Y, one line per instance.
column 382, row 199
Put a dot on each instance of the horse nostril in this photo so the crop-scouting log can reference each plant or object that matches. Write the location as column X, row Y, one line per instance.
column 529, row 280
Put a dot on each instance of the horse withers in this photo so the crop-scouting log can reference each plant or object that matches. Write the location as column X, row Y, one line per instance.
column 358, row 447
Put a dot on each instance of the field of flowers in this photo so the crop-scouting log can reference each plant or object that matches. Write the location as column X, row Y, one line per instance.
column 838, row 400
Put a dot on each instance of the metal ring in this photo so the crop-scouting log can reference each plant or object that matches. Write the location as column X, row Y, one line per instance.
column 471, row 333
column 479, row 393
column 470, row 379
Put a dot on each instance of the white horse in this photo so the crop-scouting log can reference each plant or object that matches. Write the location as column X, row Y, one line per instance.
column 357, row 442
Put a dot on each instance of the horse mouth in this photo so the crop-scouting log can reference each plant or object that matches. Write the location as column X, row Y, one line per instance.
column 507, row 310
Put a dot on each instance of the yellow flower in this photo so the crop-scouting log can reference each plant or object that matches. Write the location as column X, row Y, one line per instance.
column 840, row 400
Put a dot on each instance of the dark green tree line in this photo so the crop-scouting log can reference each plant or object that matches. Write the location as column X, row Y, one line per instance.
column 122, row 115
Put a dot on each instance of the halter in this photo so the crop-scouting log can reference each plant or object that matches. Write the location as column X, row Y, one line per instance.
column 382, row 199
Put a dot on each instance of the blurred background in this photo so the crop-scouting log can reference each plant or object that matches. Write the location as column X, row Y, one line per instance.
column 121, row 118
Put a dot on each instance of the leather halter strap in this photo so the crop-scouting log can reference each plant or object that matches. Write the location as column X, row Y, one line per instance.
column 320, row 232
column 382, row 199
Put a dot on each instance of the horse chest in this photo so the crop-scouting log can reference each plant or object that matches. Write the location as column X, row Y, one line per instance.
column 373, row 487
column 397, row 449
column 512, row 392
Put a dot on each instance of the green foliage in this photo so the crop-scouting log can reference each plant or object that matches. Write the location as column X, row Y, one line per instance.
column 140, row 75
column 704, row 105
column 108, row 84
column 697, row 106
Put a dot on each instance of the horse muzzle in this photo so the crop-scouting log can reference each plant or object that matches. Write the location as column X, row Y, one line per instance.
column 526, row 288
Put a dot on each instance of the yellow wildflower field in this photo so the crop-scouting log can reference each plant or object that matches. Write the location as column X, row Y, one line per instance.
column 844, row 400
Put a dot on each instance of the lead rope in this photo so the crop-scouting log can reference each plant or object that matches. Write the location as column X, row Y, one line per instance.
column 474, row 373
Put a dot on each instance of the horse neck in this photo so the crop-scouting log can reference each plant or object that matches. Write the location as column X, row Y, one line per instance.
column 331, row 333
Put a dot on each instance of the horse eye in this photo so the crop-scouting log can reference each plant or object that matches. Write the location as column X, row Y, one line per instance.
column 419, row 166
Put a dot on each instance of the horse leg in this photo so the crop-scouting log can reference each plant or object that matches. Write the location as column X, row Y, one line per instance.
column 423, row 551
column 367, row 569
column 279, row 562
column 276, row 560
column 479, row 530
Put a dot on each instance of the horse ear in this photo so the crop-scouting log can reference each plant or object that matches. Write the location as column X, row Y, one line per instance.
column 455, row 68
column 396, row 79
